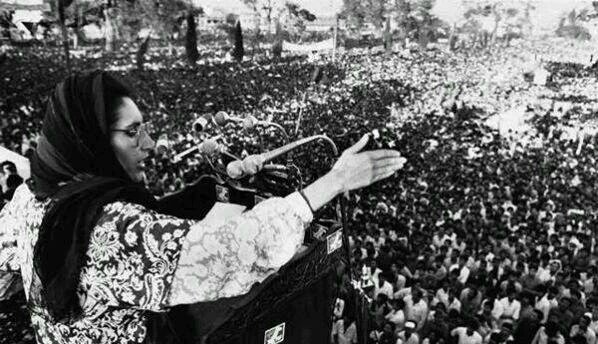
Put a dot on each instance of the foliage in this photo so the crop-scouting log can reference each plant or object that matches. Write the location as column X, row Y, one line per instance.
column 285, row 18
column 411, row 19
column 571, row 27
column 163, row 16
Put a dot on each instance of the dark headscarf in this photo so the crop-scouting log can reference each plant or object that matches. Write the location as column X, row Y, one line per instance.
column 74, row 165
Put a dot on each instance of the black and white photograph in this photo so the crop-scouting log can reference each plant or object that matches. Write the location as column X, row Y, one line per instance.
column 298, row 171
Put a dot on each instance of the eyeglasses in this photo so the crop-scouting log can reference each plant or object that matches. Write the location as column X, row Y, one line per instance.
column 135, row 132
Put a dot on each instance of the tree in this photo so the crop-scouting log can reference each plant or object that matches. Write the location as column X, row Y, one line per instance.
column 238, row 51
column 277, row 46
column 355, row 13
column 142, row 51
column 191, row 38
column 291, row 20
column 571, row 27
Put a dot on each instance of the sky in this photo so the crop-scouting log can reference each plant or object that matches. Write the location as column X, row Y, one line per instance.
column 330, row 7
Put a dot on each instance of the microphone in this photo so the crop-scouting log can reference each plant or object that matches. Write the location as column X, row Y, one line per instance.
column 222, row 118
column 201, row 123
column 247, row 167
column 162, row 145
column 235, row 170
column 251, row 122
column 207, row 147
column 211, row 148
column 250, row 165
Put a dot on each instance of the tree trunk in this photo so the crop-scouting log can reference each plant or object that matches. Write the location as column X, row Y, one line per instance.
column 108, row 30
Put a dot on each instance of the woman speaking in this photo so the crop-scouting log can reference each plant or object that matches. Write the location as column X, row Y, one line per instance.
column 95, row 253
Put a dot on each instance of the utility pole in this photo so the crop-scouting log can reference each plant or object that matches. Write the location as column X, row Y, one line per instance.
column 335, row 38
column 65, row 36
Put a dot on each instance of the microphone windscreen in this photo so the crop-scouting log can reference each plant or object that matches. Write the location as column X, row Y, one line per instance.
column 249, row 122
column 235, row 169
column 209, row 147
column 221, row 118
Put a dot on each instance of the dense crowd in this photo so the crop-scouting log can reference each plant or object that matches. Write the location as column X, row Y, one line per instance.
column 481, row 238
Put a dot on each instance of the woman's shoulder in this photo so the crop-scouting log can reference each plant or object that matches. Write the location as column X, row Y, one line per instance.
column 130, row 214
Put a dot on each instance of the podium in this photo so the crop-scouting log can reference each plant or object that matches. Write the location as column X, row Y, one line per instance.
column 293, row 305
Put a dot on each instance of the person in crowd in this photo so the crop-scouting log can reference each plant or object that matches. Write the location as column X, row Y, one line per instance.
column 416, row 308
column 396, row 315
column 383, row 287
column 344, row 331
column 582, row 329
column 467, row 334
column 9, row 180
column 91, row 215
column 409, row 334
column 549, row 333
column 547, row 302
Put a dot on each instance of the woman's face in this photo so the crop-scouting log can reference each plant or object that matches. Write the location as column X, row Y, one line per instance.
column 130, row 149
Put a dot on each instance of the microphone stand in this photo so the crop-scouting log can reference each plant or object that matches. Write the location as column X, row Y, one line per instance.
column 342, row 204
column 300, row 113
column 281, row 129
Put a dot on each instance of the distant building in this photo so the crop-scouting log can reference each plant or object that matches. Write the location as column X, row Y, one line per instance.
column 211, row 19
column 25, row 11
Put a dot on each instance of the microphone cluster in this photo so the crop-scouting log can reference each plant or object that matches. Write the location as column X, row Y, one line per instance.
column 238, row 168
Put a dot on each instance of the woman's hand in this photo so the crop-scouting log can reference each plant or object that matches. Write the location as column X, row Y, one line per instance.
column 355, row 170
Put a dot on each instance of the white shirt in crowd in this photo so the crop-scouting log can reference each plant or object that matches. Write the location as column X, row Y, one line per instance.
column 542, row 338
column 510, row 309
column 345, row 335
column 396, row 317
column 464, row 338
column 339, row 307
column 417, row 312
column 455, row 304
column 590, row 335
column 543, row 275
column 413, row 339
column 386, row 289
column 441, row 296
column 544, row 305
column 401, row 281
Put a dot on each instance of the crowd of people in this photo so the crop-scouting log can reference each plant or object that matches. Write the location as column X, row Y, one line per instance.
column 481, row 238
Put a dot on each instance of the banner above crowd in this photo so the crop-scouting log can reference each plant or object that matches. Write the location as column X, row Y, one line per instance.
column 307, row 48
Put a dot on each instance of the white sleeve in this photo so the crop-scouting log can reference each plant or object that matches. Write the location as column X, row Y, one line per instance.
column 228, row 260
